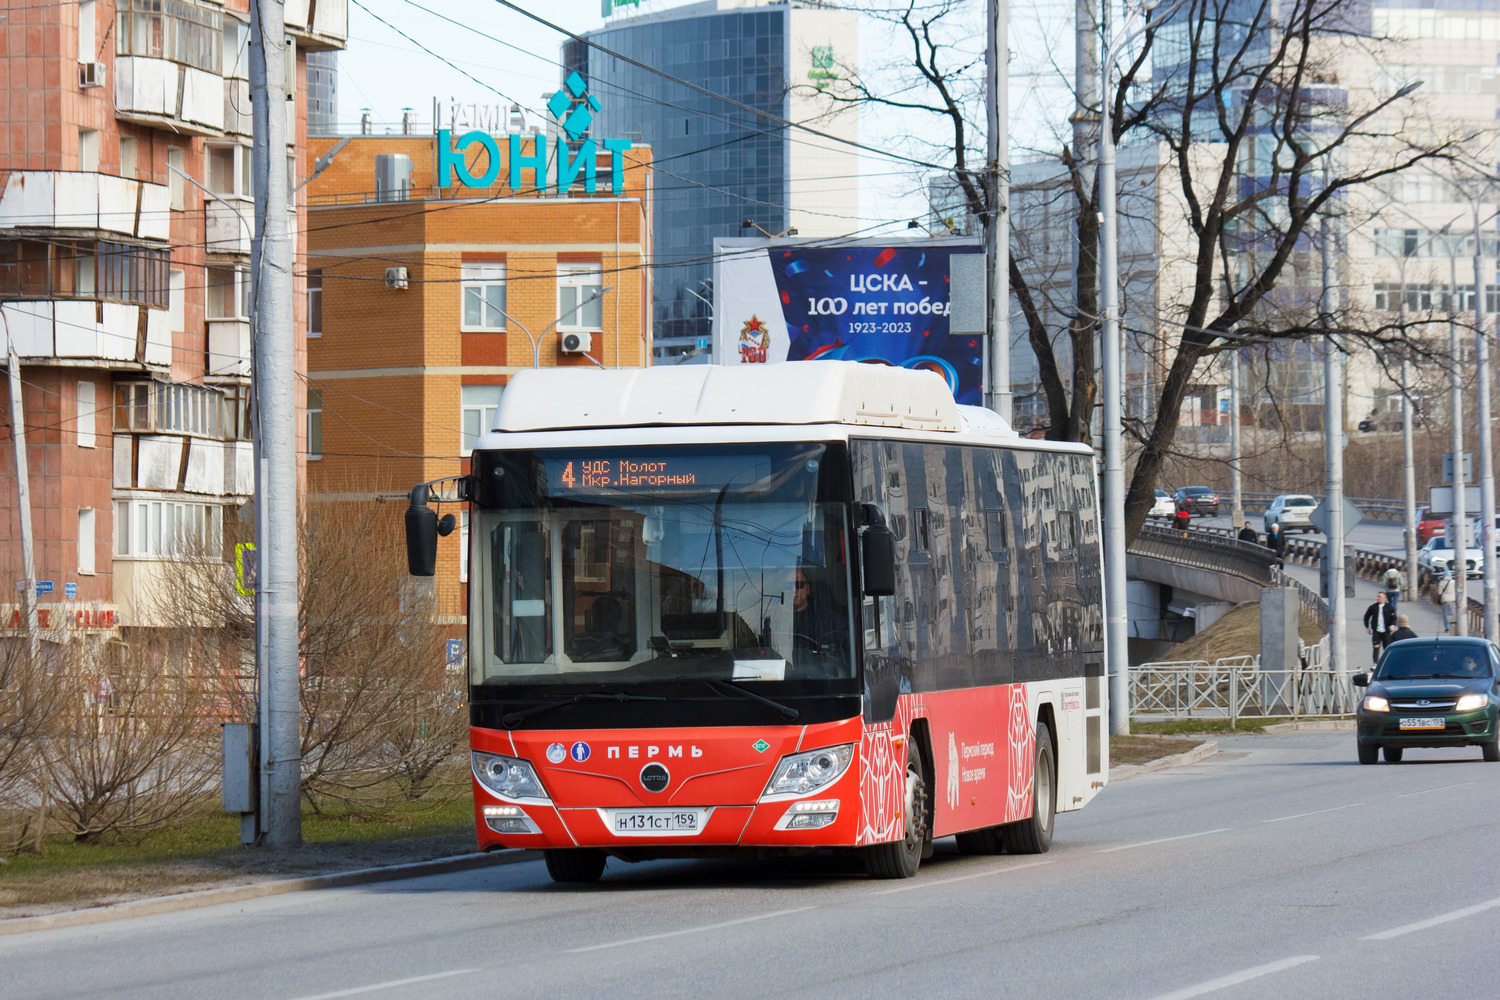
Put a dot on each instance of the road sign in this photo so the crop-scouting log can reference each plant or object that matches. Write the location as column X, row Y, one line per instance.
column 246, row 567
column 1440, row 499
column 1448, row 467
column 43, row 587
column 702, row 343
column 1352, row 516
column 455, row 652
column 70, row 590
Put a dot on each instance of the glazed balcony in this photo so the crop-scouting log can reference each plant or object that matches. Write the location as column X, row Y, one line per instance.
column 70, row 199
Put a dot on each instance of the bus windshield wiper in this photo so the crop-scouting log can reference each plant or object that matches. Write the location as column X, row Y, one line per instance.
column 787, row 712
column 510, row 719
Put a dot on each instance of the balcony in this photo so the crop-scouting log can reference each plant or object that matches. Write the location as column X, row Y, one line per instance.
column 228, row 347
column 164, row 94
column 66, row 330
column 328, row 27
column 63, row 199
column 214, row 468
column 226, row 224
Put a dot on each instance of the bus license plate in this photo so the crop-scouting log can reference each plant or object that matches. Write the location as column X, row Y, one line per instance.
column 646, row 822
column 1422, row 723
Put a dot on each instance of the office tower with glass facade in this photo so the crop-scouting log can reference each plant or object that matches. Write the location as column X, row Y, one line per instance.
column 719, row 164
column 322, row 93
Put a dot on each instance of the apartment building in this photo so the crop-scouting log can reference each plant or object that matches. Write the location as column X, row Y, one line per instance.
column 439, row 266
column 124, row 288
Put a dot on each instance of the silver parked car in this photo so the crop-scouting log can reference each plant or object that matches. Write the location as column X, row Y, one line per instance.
column 1292, row 511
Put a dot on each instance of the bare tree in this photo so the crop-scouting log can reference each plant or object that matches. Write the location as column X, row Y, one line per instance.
column 29, row 699
column 1262, row 140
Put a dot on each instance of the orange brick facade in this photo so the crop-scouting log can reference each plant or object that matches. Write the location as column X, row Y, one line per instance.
column 391, row 363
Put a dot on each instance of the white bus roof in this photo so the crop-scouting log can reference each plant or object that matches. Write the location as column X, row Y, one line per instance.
column 799, row 392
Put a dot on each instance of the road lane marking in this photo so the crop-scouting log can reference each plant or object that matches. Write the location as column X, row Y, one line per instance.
column 1422, row 925
column 1439, row 788
column 963, row 878
column 1315, row 812
column 355, row 991
column 687, row 930
column 1163, row 840
column 1235, row 978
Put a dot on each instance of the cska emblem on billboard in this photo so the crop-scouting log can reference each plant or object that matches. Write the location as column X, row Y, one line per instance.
column 755, row 341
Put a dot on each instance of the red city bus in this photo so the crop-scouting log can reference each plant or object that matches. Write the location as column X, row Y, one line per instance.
column 767, row 609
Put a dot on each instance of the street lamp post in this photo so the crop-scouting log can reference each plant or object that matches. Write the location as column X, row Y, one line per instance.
column 536, row 342
column 1486, row 454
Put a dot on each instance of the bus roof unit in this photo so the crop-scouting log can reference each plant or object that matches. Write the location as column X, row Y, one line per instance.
column 802, row 392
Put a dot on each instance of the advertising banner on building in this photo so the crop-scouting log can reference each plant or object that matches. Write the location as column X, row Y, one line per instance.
column 890, row 303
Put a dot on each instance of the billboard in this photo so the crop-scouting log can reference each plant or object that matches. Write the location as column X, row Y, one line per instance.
column 893, row 302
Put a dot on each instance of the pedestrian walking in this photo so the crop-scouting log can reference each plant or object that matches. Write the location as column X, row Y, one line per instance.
column 1403, row 630
column 1447, row 595
column 1276, row 542
column 1184, row 512
column 1247, row 534
column 1380, row 621
column 1393, row 584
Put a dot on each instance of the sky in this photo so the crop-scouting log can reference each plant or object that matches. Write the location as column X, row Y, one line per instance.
column 479, row 52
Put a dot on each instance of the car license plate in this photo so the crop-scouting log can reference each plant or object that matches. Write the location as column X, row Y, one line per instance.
column 1423, row 723
column 650, row 822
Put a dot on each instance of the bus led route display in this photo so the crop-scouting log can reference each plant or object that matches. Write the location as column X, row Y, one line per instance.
column 596, row 473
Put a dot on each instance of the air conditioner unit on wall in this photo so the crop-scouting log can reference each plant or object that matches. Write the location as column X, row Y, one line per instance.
column 395, row 277
column 577, row 343
column 92, row 74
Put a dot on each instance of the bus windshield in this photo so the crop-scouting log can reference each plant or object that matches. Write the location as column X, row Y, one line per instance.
column 625, row 565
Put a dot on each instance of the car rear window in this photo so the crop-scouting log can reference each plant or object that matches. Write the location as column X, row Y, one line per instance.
column 1424, row 661
column 1301, row 502
column 1198, row 490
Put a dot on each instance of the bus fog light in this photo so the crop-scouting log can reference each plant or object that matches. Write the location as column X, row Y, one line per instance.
column 810, row 815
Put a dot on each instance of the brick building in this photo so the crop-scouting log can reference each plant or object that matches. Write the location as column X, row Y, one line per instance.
column 124, row 287
column 426, row 293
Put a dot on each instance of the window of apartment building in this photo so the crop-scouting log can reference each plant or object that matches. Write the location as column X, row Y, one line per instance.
column 479, row 403
column 228, row 293
column 88, row 149
column 484, row 296
column 129, row 150
column 86, row 36
column 314, row 423
column 151, row 527
column 86, row 540
column 575, row 284
column 177, row 299
column 315, row 302
column 229, row 170
column 83, row 269
column 175, row 408
column 176, row 186
column 178, row 30
column 86, row 410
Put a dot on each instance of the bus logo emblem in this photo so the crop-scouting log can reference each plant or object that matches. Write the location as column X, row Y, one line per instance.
column 580, row 751
column 655, row 778
column 556, row 752
column 761, row 746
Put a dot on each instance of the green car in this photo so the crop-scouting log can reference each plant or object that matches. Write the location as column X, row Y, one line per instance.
column 1440, row 692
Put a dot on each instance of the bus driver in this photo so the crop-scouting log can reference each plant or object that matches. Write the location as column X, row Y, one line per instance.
column 818, row 626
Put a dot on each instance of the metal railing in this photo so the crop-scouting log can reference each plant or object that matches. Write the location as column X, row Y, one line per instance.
column 1207, row 550
column 1236, row 687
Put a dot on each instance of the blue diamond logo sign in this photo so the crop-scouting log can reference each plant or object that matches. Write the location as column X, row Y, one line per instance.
column 574, row 94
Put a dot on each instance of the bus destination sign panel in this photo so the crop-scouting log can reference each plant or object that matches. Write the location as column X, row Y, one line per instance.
column 579, row 473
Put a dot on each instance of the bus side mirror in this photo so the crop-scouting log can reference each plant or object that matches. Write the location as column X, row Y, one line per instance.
column 878, row 560
column 421, row 534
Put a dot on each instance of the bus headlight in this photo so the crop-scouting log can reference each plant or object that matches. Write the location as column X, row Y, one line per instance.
column 804, row 773
column 507, row 777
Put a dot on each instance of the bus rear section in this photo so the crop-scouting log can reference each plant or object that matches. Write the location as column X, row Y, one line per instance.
column 830, row 632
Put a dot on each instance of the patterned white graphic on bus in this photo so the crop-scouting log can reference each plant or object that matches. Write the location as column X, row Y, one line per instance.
column 883, row 783
column 1022, row 739
column 952, row 772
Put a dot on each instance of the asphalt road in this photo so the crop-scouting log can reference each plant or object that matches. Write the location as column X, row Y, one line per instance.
column 1379, row 536
column 1280, row 868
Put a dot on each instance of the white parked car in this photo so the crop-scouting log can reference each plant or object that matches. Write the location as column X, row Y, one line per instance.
column 1292, row 511
column 1163, row 506
column 1437, row 556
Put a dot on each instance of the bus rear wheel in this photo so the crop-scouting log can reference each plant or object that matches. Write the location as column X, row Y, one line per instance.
column 574, row 864
column 1033, row 835
column 901, row 858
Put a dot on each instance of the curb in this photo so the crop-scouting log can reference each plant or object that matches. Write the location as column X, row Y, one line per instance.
column 1193, row 756
column 258, row 890
column 1320, row 726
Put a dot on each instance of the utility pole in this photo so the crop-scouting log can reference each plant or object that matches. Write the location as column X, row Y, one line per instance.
column 27, row 585
column 1236, row 484
column 1333, row 430
column 1460, row 501
column 1486, row 453
column 997, row 219
column 276, row 415
column 1408, row 456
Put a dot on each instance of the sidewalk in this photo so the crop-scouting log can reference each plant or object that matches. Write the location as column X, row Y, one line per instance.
column 1426, row 617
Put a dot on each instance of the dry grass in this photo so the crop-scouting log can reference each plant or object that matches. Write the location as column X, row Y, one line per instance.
column 1136, row 749
column 1236, row 634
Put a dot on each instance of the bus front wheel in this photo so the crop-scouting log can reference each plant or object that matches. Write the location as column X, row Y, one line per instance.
column 574, row 864
column 1034, row 834
column 901, row 858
